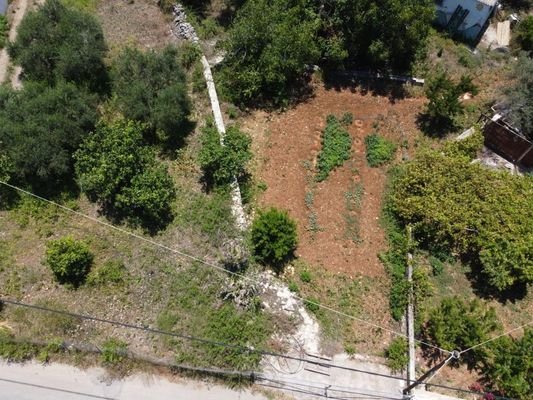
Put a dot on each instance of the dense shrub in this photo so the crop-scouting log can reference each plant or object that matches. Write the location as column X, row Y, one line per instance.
column 56, row 43
column 115, row 168
column 273, row 237
column 443, row 96
column 336, row 147
column 459, row 325
column 70, row 260
column 379, row 150
column 460, row 206
column 397, row 356
column 523, row 35
column 222, row 163
column 509, row 366
column 151, row 88
column 41, row 128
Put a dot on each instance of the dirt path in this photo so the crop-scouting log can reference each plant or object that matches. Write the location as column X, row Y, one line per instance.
column 20, row 7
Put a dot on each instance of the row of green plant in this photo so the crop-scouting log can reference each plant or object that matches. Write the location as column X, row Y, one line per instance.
column 336, row 146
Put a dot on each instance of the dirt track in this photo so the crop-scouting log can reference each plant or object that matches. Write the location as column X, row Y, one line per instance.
column 20, row 7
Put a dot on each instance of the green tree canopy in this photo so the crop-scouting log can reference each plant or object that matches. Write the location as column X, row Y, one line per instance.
column 151, row 88
column 221, row 163
column 456, row 325
column 41, row 128
column 482, row 214
column 389, row 33
column 269, row 45
column 55, row 43
column 69, row 259
column 116, row 169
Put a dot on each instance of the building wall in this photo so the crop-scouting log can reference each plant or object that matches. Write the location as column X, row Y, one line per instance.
column 470, row 28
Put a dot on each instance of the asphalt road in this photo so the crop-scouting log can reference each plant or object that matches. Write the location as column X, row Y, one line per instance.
column 33, row 381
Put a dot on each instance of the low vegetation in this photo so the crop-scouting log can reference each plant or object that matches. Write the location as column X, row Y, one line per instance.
column 336, row 147
column 396, row 353
column 379, row 150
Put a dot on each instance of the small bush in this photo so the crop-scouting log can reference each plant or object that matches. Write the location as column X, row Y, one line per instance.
column 114, row 351
column 379, row 150
column 112, row 272
column 336, row 146
column 198, row 79
column 396, row 353
column 12, row 351
column 70, row 260
column 524, row 34
column 273, row 237
column 305, row 276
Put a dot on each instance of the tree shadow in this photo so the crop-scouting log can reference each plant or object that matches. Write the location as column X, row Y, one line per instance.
column 338, row 81
column 434, row 127
column 174, row 141
column 483, row 289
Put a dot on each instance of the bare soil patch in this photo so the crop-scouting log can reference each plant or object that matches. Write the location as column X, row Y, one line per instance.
column 293, row 140
column 138, row 23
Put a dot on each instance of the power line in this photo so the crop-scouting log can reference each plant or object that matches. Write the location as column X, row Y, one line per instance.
column 34, row 385
column 496, row 337
column 222, row 344
column 207, row 263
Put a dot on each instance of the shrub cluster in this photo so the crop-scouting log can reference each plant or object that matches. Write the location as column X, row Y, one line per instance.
column 379, row 150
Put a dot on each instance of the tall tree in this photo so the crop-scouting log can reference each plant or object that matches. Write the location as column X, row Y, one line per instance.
column 56, row 43
column 40, row 129
column 151, row 88
column 388, row 33
column 269, row 45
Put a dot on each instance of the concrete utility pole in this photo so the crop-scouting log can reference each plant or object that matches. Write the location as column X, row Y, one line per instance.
column 411, row 377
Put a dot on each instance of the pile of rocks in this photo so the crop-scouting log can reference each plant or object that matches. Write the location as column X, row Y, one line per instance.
column 182, row 28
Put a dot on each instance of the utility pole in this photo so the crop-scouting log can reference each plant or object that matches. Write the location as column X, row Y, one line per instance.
column 411, row 377
column 432, row 372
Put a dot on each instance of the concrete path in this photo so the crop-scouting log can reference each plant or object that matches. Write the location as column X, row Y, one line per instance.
column 33, row 381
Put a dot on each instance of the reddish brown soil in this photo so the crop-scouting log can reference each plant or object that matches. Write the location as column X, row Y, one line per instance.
column 294, row 137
